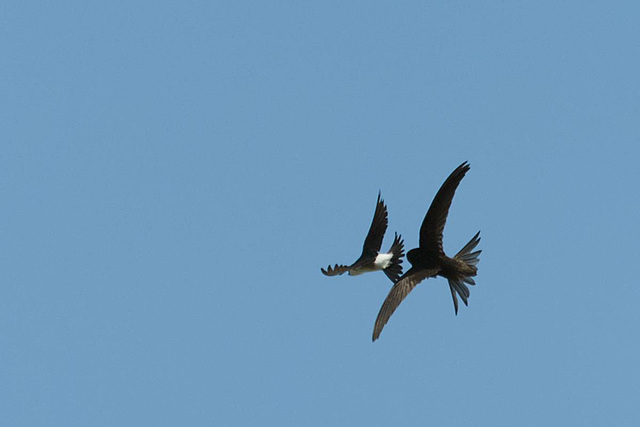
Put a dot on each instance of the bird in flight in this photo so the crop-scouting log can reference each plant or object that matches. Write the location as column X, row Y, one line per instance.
column 371, row 258
column 429, row 259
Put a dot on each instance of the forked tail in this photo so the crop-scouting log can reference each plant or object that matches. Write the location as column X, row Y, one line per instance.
column 394, row 271
column 458, row 285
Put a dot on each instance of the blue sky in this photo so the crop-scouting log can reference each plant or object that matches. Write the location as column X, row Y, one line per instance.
column 174, row 175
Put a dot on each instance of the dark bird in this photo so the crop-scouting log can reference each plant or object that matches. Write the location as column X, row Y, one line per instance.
column 429, row 259
column 371, row 258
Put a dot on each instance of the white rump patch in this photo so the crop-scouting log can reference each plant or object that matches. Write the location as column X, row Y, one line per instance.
column 383, row 261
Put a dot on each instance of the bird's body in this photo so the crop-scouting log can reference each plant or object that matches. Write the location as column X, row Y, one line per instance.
column 429, row 259
column 380, row 262
column 449, row 268
column 372, row 259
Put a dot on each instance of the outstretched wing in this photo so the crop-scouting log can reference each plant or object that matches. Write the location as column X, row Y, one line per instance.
column 398, row 293
column 373, row 241
column 433, row 224
column 335, row 271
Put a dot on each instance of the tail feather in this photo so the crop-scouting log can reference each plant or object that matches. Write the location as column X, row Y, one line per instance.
column 394, row 271
column 458, row 285
column 335, row 271
column 468, row 280
column 465, row 253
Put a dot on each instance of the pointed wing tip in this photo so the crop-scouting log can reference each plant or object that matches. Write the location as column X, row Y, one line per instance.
column 463, row 168
column 378, row 327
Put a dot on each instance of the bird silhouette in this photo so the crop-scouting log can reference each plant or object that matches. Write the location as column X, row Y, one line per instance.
column 429, row 259
column 371, row 258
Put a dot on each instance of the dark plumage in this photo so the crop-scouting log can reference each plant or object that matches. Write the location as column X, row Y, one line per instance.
column 429, row 259
column 371, row 258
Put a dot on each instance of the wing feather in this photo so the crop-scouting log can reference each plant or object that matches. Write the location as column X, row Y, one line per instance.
column 398, row 293
column 373, row 241
column 433, row 224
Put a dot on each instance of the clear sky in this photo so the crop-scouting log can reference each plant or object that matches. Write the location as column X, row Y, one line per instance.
column 174, row 174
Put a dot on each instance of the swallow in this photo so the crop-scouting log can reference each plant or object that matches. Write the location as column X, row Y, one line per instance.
column 429, row 259
column 372, row 259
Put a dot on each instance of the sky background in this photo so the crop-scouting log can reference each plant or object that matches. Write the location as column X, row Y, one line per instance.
column 174, row 174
